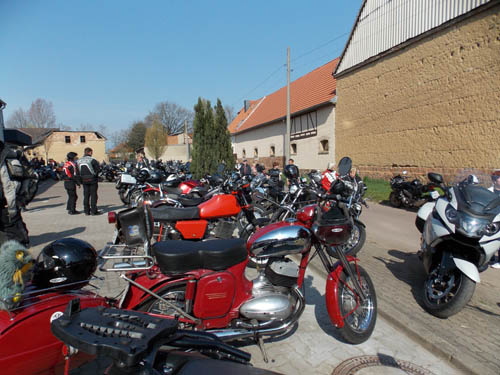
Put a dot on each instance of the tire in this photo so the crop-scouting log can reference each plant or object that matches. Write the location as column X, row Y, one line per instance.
column 124, row 196
column 356, row 241
column 172, row 293
column 395, row 201
column 458, row 290
column 245, row 235
column 360, row 323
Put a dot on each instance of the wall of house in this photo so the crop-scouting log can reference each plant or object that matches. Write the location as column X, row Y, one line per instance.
column 432, row 106
column 55, row 146
column 309, row 153
column 172, row 152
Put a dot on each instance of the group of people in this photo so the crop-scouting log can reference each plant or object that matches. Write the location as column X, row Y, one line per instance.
column 77, row 172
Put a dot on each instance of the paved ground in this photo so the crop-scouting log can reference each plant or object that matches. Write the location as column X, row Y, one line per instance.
column 469, row 340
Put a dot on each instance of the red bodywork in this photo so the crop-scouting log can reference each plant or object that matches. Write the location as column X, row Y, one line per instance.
column 187, row 186
column 27, row 346
column 192, row 229
column 223, row 205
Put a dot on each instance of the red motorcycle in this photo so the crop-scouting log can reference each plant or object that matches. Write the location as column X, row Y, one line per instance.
column 203, row 283
column 27, row 345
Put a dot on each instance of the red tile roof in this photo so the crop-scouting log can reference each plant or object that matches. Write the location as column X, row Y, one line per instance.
column 310, row 90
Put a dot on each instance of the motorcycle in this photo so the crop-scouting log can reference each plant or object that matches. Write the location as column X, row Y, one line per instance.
column 139, row 343
column 26, row 344
column 460, row 234
column 409, row 194
column 203, row 283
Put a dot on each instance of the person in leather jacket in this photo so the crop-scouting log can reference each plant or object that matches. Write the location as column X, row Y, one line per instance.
column 71, row 178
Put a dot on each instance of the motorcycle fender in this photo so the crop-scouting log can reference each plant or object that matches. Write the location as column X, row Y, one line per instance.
column 360, row 223
column 424, row 211
column 492, row 246
column 332, row 296
column 468, row 269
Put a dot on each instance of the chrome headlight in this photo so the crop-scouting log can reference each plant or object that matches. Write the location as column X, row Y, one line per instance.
column 472, row 226
column 491, row 229
column 357, row 207
column 293, row 189
column 451, row 214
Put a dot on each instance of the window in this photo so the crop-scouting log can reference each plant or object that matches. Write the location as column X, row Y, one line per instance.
column 255, row 152
column 293, row 149
column 67, row 139
column 244, row 154
column 272, row 152
column 323, row 146
column 304, row 125
column 82, row 139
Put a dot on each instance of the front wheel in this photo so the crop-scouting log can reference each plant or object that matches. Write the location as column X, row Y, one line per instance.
column 446, row 295
column 394, row 199
column 359, row 317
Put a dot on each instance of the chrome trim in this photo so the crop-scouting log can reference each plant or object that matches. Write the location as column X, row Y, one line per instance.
column 293, row 239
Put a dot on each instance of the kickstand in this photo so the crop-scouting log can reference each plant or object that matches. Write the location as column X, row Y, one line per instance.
column 260, row 342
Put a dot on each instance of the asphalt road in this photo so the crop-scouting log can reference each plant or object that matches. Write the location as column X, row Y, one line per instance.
column 314, row 346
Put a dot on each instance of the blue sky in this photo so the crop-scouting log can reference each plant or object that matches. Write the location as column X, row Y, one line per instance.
column 110, row 62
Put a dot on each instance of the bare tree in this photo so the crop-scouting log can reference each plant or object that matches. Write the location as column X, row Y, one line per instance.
column 230, row 113
column 118, row 137
column 18, row 119
column 171, row 116
column 156, row 139
column 86, row 127
column 61, row 126
column 41, row 114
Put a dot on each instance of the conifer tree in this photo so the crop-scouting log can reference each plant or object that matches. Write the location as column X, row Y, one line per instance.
column 224, row 147
column 197, row 154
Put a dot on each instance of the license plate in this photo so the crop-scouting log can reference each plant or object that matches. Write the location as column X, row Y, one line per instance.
column 128, row 179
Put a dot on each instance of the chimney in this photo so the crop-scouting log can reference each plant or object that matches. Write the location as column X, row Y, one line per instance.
column 246, row 105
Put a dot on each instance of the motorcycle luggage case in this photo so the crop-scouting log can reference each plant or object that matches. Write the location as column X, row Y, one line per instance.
column 334, row 228
column 134, row 225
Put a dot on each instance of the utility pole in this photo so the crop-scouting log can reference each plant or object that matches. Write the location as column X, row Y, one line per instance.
column 186, row 139
column 287, row 134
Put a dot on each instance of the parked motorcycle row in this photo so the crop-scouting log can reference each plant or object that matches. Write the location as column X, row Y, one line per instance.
column 183, row 247
column 200, row 283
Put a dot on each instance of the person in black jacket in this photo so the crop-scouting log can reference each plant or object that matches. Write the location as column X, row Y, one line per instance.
column 89, row 170
column 71, row 181
column 245, row 169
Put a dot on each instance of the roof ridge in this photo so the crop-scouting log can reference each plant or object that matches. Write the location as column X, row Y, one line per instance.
column 250, row 114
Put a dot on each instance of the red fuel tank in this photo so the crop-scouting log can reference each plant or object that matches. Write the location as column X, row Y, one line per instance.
column 223, row 205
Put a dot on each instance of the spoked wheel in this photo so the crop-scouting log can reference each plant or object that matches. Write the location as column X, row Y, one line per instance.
column 359, row 317
column 258, row 211
column 446, row 295
column 356, row 240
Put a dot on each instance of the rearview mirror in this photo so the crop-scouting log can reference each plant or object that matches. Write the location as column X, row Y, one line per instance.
column 435, row 177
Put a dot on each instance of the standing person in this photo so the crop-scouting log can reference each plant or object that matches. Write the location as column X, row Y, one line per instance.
column 245, row 169
column 71, row 179
column 89, row 170
column 495, row 188
column 142, row 161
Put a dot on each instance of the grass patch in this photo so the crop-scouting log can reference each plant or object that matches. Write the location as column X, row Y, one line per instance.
column 378, row 190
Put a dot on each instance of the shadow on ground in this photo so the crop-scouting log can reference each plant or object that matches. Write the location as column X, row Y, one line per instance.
column 43, row 186
column 52, row 236
column 407, row 268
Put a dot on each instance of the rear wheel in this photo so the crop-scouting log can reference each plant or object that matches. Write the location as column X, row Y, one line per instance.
column 242, row 221
column 123, row 193
column 359, row 320
column 394, row 199
column 447, row 295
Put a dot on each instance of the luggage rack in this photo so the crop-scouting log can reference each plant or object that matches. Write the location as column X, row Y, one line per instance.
column 126, row 258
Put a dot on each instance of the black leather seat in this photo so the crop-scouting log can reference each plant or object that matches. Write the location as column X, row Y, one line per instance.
column 167, row 213
column 175, row 257
column 190, row 201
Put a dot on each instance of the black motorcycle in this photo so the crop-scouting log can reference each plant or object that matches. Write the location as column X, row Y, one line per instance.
column 138, row 343
column 409, row 194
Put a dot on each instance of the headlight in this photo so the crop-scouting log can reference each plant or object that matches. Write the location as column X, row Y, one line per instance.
column 293, row 189
column 451, row 214
column 357, row 207
column 491, row 229
column 473, row 226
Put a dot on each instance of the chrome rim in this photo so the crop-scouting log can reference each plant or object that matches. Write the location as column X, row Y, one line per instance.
column 441, row 290
column 359, row 320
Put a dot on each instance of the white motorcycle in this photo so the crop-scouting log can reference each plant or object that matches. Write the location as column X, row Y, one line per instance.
column 460, row 234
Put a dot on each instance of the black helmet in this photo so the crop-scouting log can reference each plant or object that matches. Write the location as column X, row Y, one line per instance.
column 143, row 175
column 64, row 262
column 337, row 187
column 291, row 171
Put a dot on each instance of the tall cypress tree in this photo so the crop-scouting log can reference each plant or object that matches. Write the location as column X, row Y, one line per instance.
column 224, row 147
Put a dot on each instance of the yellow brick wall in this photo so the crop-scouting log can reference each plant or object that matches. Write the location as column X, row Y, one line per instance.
column 434, row 104
column 55, row 146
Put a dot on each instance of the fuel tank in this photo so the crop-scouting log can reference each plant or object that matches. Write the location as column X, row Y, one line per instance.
column 279, row 239
column 222, row 205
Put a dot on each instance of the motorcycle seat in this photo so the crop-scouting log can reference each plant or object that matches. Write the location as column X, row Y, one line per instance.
column 171, row 190
column 166, row 213
column 190, row 201
column 175, row 257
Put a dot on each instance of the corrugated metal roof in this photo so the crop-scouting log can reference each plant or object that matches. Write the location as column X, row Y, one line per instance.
column 384, row 24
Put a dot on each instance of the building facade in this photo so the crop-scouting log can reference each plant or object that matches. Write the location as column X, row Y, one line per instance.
column 178, row 148
column 258, row 131
column 55, row 144
column 418, row 87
